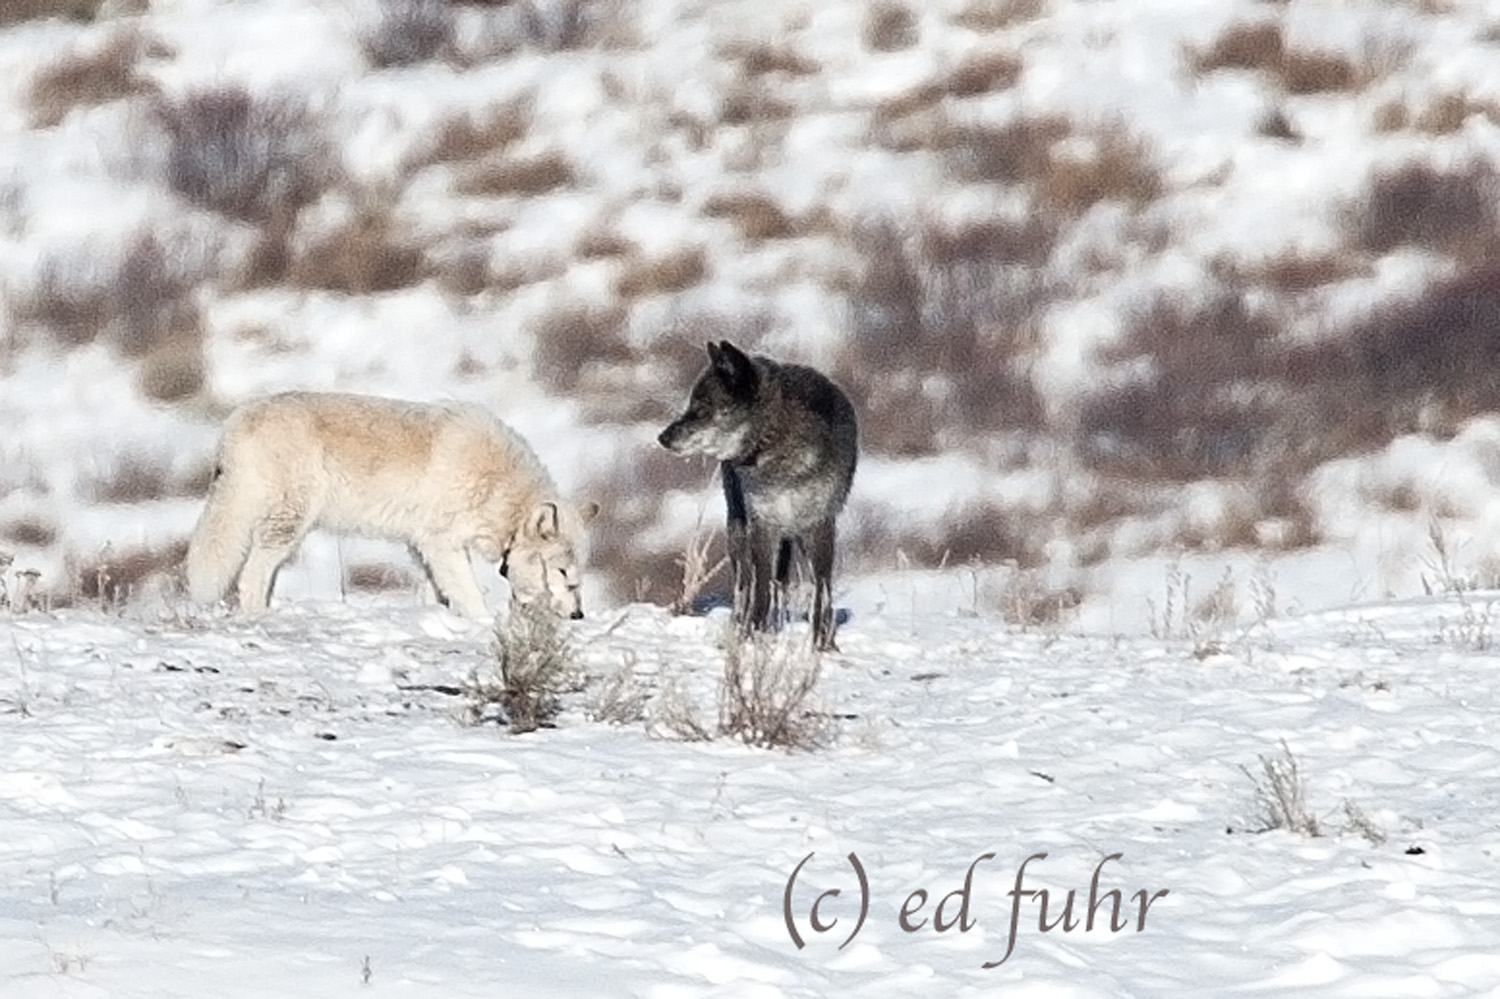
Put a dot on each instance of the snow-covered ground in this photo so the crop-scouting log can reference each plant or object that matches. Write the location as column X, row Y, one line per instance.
column 291, row 807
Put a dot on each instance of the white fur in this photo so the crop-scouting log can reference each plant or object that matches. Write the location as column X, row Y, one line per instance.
column 443, row 479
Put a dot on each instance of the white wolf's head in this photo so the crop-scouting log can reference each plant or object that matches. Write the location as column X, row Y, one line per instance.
column 545, row 560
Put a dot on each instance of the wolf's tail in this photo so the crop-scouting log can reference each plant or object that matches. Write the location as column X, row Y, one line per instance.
column 220, row 541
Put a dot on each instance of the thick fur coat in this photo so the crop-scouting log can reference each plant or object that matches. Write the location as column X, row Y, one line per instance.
column 787, row 441
column 444, row 479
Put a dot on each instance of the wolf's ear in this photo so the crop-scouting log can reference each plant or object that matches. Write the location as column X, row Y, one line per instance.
column 544, row 521
column 588, row 511
column 737, row 370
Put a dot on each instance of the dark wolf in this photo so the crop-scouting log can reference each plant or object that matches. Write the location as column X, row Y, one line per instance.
column 787, row 442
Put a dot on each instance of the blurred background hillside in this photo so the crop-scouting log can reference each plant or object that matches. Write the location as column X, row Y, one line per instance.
column 1106, row 281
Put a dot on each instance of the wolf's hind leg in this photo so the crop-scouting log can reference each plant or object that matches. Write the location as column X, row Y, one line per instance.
column 820, row 545
column 271, row 541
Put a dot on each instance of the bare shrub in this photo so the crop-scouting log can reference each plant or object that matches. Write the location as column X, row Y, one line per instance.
column 462, row 266
column 704, row 560
column 599, row 242
column 673, row 712
column 1196, row 411
column 377, row 577
column 244, row 156
column 1254, row 45
column 509, row 176
column 1420, row 364
column 28, row 531
column 673, row 271
column 984, row 72
column 1443, row 114
column 629, row 492
column 20, row 11
column 1261, row 45
column 1311, row 71
column 151, row 295
column 407, row 32
column 533, row 665
column 470, row 136
column 573, row 339
column 1355, row 820
column 619, row 698
column 753, row 102
column 1281, row 791
column 173, row 369
column 769, row 58
column 368, row 252
column 1115, row 166
column 1027, row 601
column 1275, row 125
column 90, row 76
column 989, row 16
column 986, row 532
column 133, row 479
column 1012, row 152
column 1291, row 271
column 1417, row 204
column 756, row 214
column 113, row 578
column 942, row 330
column 766, row 691
column 890, row 26
column 67, row 299
column 561, row 25
column 136, row 301
column 26, row 594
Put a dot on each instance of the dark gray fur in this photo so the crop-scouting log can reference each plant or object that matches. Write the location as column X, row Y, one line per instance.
column 787, row 442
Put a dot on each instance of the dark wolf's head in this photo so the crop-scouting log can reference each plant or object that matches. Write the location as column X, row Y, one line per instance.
column 719, row 419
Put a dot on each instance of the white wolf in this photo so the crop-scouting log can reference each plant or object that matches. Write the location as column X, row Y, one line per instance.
column 442, row 478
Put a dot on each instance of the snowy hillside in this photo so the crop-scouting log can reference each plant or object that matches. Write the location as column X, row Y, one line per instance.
column 1107, row 281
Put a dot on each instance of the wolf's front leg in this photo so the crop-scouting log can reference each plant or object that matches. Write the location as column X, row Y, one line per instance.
column 449, row 568
column 762, row 544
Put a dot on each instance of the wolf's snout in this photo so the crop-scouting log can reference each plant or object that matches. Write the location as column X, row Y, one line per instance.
column 576, row 615
column 667, row 436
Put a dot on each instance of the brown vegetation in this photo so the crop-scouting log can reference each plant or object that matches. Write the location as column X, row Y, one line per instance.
column 678, row 268
column 1416, row 203
column 506, row 175
column 465, row 137
column 20, row 11
column 135, row 302
column 89, row 76
column 991, row 16
column 1261, row 46
column 890, row 26
column 248, row 157
column 756, row 214
column 28, row 530
column 113, row 578
column 407, row 32
column 942, row 326
column 367, row 253
column 630, row 493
